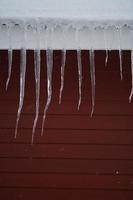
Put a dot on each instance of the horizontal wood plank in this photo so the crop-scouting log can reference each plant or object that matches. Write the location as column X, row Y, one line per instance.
column 67, row 181
column 66, row 151
column 60, row 136
column 65, row 194
column 66, row 166
column 70, row 107
column 70, row 122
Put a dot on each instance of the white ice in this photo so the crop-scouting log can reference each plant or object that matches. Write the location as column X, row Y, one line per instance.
column 10, row 55
column 92, row 74
column 106, row 49
column 63, row 61
column 80, row 76
column 37, row 81
column 22, row 86
column 120, row 53
column 49, row 57
column 131, row 94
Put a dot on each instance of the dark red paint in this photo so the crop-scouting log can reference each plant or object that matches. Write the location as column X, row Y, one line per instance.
column 78, row 157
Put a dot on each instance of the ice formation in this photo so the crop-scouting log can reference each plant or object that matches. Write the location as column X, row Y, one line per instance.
column 37, row 80
column 120, row 53
column 22, row 86
column 49, row 57
column 63, row 61
column 131, row 94
column 93, row 81
column 46, row 27
column 37, row 71
column 10, row 52
column 10, row 55
column 80, row 76
column 106, row 49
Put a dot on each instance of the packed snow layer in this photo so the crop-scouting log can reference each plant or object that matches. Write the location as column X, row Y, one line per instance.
column 78, row 9
column 95, row 20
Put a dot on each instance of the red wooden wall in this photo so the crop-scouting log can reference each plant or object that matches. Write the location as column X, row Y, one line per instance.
column 78, row 157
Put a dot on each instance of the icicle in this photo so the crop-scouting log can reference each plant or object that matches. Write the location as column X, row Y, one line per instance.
column 22, row 86
column 49, row 55
column 79, row 66
column 92, row 74
column 63, row 61
column 37, row 64
column 131, row 94
column 106, row 58
column 120, row 57
column 120, row 53
column 80, row 76
column 106, row 50
column 9, row 67
column 10, row 53
column 22, row 77
column 37, row 80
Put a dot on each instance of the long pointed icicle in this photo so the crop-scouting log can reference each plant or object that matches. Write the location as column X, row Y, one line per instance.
column 120, row 53
column 77, row 40
column 106, row 57
column 121, row 70
column 37, row 80
column 92, row 74
column 9, row 67
column 131, row 94
column 10, row 54
column 22, row 86
column 80, row 76
column 106, row 50
column 63, row 62
column 49, row 55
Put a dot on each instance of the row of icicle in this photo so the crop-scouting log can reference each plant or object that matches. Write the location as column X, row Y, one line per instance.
column 49, row 61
